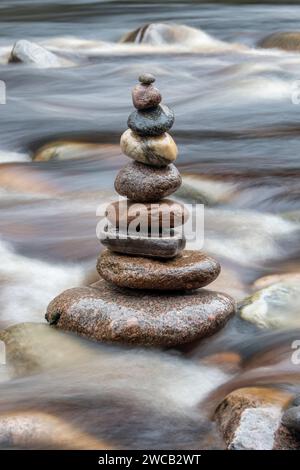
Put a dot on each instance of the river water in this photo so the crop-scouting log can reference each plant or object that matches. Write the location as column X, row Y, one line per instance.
column 237, row 130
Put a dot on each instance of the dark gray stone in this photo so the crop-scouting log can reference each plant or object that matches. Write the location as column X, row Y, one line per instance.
column 165, row 246
column 291, row 418
column 151, row 122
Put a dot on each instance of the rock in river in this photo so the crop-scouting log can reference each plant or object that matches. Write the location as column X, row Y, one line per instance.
column 143, row 183
column 191, row 270
column 106, row 313
column 286, row 40
column 291, row 418
column 31, row 53
column 276, row 306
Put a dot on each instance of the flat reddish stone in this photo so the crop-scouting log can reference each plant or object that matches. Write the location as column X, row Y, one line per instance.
column 103, row 312
column 189, row 270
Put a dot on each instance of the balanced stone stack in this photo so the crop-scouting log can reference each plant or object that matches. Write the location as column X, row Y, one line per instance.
column 150, row 292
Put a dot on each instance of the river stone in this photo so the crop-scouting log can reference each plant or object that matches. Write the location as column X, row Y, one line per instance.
column 286, row 40
column 151, row 122
column 28, row 52
column 250, row 417
column 153, row 151
column 276, row 306
column 165, row 214
column 191, row 270
column 291, row 418
column 143, row 183
column 145, row 96
column 104, row 312
column 165, row 246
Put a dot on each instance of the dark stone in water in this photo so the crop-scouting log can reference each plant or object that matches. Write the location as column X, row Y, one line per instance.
column 296, row 401
column 190, row 270
column 104, row 312
column 288, row 41
column 291, row 418
column 151, row 122
column 165, row 246
column 144, row 183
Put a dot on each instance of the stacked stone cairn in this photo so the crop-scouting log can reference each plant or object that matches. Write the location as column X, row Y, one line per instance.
column 150, row 287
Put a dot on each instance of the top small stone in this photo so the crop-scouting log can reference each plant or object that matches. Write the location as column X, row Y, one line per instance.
column 146, row 78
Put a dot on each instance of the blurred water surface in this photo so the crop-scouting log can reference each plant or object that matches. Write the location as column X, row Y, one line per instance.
column 238, row 136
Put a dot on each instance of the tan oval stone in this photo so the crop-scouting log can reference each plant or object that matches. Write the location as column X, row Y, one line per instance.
column 155, row 151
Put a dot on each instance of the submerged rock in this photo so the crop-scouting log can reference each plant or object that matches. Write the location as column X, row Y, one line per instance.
column 267, row 281
column 190, row 270
column 205, row 190
column 276, row 306
column 38, row 430
column 69, row 150
column 104, row 312
column 167, row 34
column 30, row 53
column 291, row 419
column 34, row 347
column 250, row 417
column 288, row 41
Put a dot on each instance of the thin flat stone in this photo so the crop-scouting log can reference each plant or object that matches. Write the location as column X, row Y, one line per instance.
column 106, row 313
column 151, row 122
column 157, row 151
column 142, row 183
column 165, row 246
column 190, row 270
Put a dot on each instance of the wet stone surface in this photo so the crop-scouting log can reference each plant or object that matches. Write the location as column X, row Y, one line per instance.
column 190, row 270
column 103, row 312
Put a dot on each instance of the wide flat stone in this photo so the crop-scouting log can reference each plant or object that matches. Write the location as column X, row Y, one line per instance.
column 151, row 122
column 190, row 270
column 143, row 183
column 157, row 151
column 104, row 312
column 164, row 246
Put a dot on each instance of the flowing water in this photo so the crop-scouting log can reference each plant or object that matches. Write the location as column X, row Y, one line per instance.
column 238, row 135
